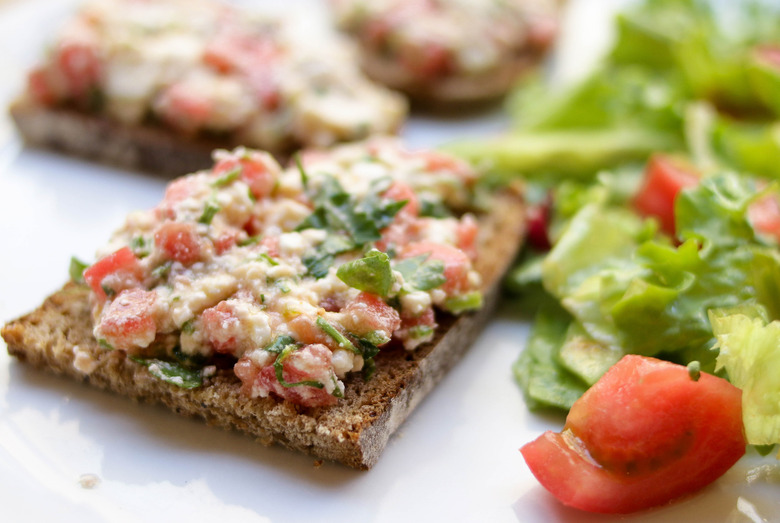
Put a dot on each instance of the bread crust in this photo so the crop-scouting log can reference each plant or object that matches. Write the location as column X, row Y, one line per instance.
column 147, row 148
column 450, row 91
column 353, row 432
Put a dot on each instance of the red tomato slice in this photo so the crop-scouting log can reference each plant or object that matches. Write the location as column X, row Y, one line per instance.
column 664, row 178
column 643, row 435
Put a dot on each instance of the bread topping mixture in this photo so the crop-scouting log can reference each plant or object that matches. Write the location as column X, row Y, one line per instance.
column 432, row 39
column 205, row 68
column 295, row 276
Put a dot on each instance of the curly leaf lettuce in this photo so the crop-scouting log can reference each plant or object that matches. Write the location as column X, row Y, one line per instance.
column 749, row 348
column 650, row 297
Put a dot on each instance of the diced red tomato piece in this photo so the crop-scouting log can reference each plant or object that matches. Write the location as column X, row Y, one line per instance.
column 122, row 266
column 466, row 234
column 436, row 161
column 39, row 87
column 222, row 328
column 369, row 313
column 764, row 214
column 271, row 245
column 257, row 170
column 304, row 329
column 664, row 178
column 232, row 50
column 265, row 88
column 309, row 363
column 456, row 263
column 128, row 323
column 177, row 191
column 429, row 61
column 645, row 434
column 77, row 58
column 179, row 241
column 400, row 191
column 409, row 323
column 225, row 242
column 185, row 108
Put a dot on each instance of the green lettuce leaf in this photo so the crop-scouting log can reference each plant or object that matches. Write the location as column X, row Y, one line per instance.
column 748, row 350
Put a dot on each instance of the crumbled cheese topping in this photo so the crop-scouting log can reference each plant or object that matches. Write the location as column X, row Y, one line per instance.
column 298, row 275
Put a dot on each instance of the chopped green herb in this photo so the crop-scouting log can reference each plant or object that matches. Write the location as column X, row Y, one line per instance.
column 279, row 368
column 368, row 346
column 279, row 343
column 249, row 241
column 265, row 257
column 209, row 212
column 466, row 302
column 76, row 270
column 336, row 390
column 173, row 373
column 190, row 361
column 283, row 286
column 331, row 331
column 108, row 290
column 420, row 331
column 371, row 273
column 319, row 261
column 369, row 368
column 338, row 211
column 433, row 209
column 188, row 327
column 420, row 274
column 161, row 271
column 304, row 176
column 140, row 246
column 251, row 195
column 105, row 345
column 227, row 178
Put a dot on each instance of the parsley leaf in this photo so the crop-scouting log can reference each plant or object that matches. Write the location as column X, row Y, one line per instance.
column 331, row 331
column 420, row 273
column 370, row 274
column 173, row 373
column 211, row 209
column 228, row 178
column 76, row 270
column 319, row 261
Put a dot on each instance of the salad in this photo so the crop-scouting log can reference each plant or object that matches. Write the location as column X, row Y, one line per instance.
column 656, row 216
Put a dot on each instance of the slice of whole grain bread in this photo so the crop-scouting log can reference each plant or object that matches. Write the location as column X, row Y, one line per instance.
column 58, row 337
column 147, row 148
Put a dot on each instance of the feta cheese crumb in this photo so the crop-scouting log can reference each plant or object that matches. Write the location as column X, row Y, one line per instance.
column 83, row 360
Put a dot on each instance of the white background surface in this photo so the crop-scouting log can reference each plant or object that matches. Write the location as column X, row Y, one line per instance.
column 456, row 459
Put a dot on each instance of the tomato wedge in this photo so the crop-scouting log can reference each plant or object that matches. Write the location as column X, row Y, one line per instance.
column 645, row 434
column 664, row 178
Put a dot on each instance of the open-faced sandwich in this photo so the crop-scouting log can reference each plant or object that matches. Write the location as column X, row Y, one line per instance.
column 312, row 306
column 158, row 85
column 451, row 51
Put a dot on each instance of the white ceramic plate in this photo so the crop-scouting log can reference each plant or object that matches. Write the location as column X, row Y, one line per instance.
column 456, row 458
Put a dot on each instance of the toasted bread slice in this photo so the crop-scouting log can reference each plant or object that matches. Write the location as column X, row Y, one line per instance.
column 158, row 85
column 355, row 431
column 99, row 138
